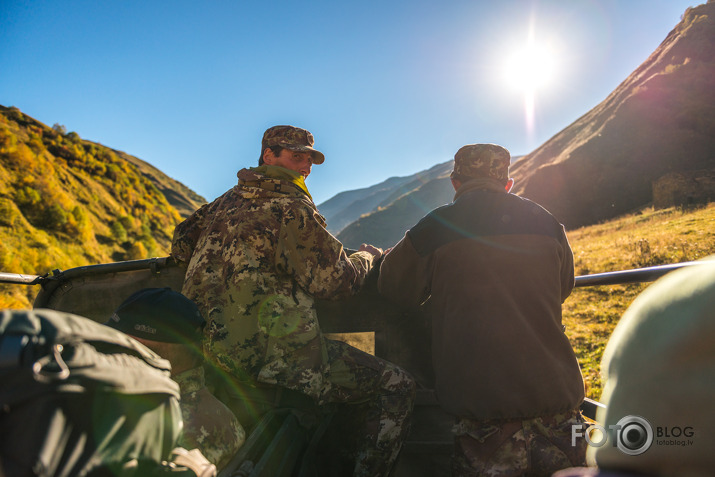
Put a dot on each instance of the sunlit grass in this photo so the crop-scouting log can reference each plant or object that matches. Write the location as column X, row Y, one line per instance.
column 648, row 238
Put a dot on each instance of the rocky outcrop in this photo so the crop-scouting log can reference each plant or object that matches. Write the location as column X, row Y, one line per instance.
column 684, row 189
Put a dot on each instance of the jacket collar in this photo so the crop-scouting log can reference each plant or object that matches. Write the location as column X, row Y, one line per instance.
column 274, row 179
column 480, row 183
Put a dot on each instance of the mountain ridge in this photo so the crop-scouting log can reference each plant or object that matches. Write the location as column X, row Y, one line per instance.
column 347, row 207
column 652, row 140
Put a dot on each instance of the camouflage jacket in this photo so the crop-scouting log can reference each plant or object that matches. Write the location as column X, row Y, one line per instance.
column 258, row 257
column 209, row 425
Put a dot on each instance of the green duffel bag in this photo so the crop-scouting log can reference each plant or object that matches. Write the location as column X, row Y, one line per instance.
column 78, row 398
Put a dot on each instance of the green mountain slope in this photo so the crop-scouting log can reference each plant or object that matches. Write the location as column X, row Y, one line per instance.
column 66, row 202
column 183, row 199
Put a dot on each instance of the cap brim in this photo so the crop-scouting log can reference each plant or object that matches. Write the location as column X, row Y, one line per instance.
column 316, row 156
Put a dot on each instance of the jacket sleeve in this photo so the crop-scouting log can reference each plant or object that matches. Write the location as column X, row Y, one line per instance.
column 315, row 259
column 567, row 268
column 405, row 276
column 186, row 234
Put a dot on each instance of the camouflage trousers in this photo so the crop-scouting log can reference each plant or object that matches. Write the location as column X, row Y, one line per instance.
column 534, row 447
column 209, row 425
column 374, row 399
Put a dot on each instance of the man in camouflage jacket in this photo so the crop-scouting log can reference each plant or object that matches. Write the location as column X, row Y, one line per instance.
column 257, row 258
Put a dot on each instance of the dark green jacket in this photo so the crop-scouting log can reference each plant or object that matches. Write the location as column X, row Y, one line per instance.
column 496, row 268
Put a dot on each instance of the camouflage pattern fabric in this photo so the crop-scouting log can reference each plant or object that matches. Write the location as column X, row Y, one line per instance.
column 535, row 447
column 258, row 257
column 293, row 138
column 208, row 424
column 388, row 394
column 482, row 160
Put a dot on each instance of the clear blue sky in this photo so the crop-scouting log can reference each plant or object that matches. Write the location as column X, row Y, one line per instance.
column 388, row 88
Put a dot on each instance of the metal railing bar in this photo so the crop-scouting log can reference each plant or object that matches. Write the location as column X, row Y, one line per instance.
column 114, row 267
column 637, row 275
column 117, row 267
column 20, row 279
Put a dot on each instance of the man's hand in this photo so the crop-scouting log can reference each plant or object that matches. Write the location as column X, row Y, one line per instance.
column 376, row 252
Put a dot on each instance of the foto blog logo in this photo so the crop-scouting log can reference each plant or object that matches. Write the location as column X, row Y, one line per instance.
column 633, row 435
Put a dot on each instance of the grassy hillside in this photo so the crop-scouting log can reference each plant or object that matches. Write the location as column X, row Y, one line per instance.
column 651, row 237
column 67, row 202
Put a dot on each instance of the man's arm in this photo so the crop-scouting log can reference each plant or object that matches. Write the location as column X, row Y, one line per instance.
column 405, row 275
column 186, row 234
column 317, row 260
column 567, row 268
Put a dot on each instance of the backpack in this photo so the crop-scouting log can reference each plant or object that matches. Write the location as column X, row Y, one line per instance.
column 78, row 398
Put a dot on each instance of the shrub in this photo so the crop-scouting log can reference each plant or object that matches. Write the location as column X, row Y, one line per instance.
column 53, row 217
column 137, row 251
column 27, row 197
column 127, row 222
column 78, row 225
column 112, row 172
column 59, row 128
column 8, row 141
column 118, row 231
column 8, row 213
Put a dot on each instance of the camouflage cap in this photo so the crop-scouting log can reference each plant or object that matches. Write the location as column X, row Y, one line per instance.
column 293, row 138
column 482, row 160
column 159, row 314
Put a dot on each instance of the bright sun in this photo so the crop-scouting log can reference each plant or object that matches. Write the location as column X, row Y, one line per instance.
column 530, row 68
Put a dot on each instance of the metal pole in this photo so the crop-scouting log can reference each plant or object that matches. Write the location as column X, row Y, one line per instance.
column 20, row 279
column 637, row 275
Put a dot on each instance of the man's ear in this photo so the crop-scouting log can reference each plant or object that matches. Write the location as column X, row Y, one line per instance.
column 268, row 156
column 509, row 184
column 456, row 184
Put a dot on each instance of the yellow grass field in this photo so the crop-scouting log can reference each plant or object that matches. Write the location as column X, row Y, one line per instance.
column 648, row 238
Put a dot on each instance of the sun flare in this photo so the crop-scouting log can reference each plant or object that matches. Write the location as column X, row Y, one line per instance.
column 530, row 68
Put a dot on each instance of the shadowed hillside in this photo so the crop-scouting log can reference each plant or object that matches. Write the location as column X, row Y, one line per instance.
column 402, row 207
column 347, row 207
column 384, row 228
column 67, row 202
column 660, row 120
